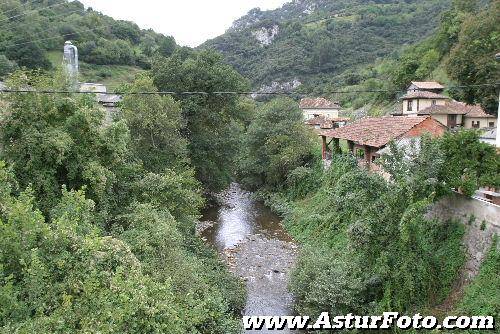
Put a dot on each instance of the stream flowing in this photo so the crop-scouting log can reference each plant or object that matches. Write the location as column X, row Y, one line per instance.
column 256, row 248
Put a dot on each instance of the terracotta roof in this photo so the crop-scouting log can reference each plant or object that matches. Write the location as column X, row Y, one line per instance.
column 478, row 112
column 456, row 108
column 318, row 103
column 427, row 84
column 375, row 132
column 424, row 95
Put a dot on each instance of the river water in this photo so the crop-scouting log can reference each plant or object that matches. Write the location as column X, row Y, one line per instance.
column 250, row 237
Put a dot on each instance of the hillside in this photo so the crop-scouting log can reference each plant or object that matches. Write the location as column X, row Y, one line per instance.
column 32, row 34
column 314, row 41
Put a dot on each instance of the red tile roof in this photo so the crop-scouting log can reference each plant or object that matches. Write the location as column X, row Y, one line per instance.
column 427, row 84
column 318, row 103
column 456, row 108
column 478, row 112
column 424, row 95
column 375, row 132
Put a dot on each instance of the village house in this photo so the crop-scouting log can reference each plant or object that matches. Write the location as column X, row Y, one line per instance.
column 368, row 136
column 428, row 86
column 426, row 99
column 319, row 107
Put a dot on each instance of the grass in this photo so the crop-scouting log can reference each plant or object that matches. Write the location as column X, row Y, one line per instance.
column 109, row 75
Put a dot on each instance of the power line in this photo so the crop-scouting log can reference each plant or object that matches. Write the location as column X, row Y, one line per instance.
column 15, row 91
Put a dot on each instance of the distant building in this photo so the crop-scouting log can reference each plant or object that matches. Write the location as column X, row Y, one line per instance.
column 319, row 107
column 428, row 86
column 93, row 87
column 323, row 123
column 367, row 136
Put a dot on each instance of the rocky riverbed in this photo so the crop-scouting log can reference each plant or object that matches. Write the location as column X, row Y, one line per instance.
column 256, row 248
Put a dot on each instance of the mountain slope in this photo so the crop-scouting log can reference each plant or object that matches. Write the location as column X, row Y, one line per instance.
column 30, row 30
column 315, row 40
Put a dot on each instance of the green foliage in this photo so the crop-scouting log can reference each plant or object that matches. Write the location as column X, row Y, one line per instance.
column 54, row 140
column 482, row 297
column 318, row 48
column 6, row 66
column 156, row 124
column 276, row 143
column 472, row 60
column 469, row 162
column 213, row 121
column 100, row 39
column 113, row 249
column 387, row 255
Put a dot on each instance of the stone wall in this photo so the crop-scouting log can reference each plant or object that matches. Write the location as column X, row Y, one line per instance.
column 482, row 222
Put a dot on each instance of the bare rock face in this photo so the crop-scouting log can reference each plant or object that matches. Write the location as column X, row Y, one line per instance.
column 278, row 87
column 266, row 36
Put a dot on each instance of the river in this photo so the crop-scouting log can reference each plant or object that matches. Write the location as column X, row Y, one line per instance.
column 256, row 248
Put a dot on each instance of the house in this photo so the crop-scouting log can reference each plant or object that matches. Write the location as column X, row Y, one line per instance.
column 316, row 107
column 458, row 114
column 428, row 86
column 416, row 101
column 367, row 136
column 477, row 118
column 426, row 99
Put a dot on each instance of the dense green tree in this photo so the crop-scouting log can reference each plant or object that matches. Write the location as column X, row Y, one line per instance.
column 113, row 249
column 54, row 140
column 212, row 120
column 29, row 55
column 155, row 123
column 472, row 61
column 276, row 143
column 6, row 66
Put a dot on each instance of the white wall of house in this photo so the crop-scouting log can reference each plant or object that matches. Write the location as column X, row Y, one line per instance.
column 443, row 119
column 327, row 113
column 420, row 104
column 489, row 122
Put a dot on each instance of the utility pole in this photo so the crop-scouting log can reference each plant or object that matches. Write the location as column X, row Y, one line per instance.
column 497, row 57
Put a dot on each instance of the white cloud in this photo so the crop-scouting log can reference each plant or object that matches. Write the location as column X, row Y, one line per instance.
column 191, row 22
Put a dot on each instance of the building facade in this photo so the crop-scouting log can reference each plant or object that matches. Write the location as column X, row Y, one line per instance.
column 319, row 107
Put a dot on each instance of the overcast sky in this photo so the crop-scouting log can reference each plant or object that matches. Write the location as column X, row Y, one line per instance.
column 191, row 22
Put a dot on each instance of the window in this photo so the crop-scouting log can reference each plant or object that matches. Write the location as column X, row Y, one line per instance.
column 452, row 121
column 476, row 124
column 434, row 102
column 491, row 124
column 410, row 105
